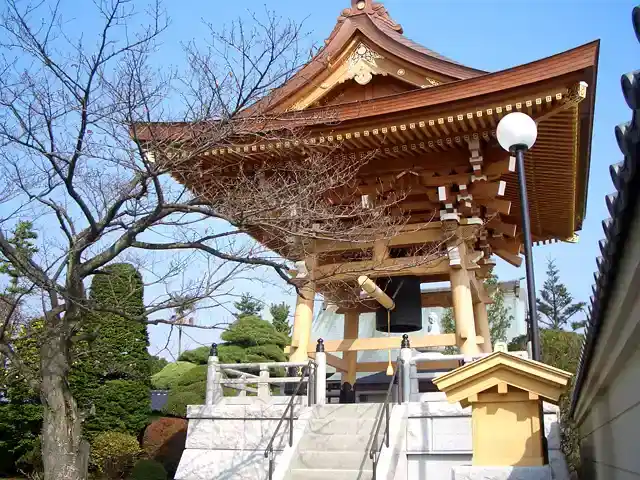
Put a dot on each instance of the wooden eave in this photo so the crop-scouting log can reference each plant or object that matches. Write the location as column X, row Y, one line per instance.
column 485, row 374
column 373, row 25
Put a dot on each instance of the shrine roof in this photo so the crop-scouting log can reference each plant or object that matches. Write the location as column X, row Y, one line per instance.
column 369, row 22
column 503, row 368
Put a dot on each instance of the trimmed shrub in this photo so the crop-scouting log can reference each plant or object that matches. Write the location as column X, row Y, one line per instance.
column 121, row 406
column 148, row 470
column 199, row 387
column 166, row 378
column 196, row 374
column 164, row 441
column 113, row 452
column 156, row 364
column 178, row 400
column 199, row 356
column 251, row 330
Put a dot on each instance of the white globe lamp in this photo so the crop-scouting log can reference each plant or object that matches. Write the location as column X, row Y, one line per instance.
column 517, row 131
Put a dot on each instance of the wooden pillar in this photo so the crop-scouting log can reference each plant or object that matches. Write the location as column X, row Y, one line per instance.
column 302, row 320
column 482, row 326
column 303, row 317
column 461, row 298
column 351, row 321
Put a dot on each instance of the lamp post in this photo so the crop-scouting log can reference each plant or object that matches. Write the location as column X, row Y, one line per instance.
column 517, row 133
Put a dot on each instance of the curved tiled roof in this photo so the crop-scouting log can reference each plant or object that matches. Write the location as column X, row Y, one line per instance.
column 622, row 206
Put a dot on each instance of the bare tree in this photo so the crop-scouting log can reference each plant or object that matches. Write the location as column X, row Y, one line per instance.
column 92, row 141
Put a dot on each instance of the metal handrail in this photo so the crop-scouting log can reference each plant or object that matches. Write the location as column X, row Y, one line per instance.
column 374, row 453
column 306, row 375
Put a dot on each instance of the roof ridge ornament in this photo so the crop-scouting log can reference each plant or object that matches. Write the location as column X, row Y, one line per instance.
column 373, row 9
column 362, row 64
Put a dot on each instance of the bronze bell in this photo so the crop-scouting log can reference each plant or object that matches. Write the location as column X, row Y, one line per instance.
column 407, row 314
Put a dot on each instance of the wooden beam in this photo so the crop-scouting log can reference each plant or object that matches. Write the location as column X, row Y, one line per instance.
column 385, row 343
column 408, row 234
column 484, row 189
column 510, row 245
column 429, row 299
column 500, row 167
column 350, row 271
column 515, row 260
column 498, row 226
column 498, row 204
column 336, row 362
column 425, row 365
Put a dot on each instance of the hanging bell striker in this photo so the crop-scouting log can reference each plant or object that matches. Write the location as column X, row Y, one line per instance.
column 407, row 315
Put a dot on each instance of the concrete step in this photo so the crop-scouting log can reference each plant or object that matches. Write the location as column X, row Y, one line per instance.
column 318, row 460
column 360, row 410
column 329, row 474
column 335, row 442
column 341, row 426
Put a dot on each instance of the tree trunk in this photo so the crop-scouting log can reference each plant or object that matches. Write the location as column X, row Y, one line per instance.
column 63, row 452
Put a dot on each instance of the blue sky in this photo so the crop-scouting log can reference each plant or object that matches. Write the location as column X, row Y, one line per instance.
column 490, row 35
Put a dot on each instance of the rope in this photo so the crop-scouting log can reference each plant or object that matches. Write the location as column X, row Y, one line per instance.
column 389, row 367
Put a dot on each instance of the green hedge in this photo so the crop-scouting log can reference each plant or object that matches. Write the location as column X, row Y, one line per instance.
column 199, row 356
column 194, row 375
column 120, row 405
column 166, row 378
column 178, row 400
column 148, row 470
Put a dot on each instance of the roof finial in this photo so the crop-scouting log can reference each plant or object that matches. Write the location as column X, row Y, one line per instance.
column 360, row 4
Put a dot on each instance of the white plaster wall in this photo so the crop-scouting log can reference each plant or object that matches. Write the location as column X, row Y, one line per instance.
column 609, row 445
column 608, row 409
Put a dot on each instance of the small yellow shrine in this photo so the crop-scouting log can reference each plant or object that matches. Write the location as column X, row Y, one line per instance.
column 505, row 393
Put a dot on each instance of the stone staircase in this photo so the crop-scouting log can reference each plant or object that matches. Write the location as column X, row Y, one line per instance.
column 336, row 444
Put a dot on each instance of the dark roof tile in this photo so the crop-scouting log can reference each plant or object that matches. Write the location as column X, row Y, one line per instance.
column 622, row 208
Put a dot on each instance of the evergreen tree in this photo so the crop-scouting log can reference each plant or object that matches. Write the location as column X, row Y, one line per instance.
column 497, row 314
column 555, row 303
column 251, row 339
column 247, row 305
column 111, row 373
column 22, row 240
column 280, row 315
column 21, row 416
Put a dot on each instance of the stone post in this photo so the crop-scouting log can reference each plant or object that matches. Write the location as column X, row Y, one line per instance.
column 405, row 356
column 214, row 389
column 321, row 373
column 263, row 386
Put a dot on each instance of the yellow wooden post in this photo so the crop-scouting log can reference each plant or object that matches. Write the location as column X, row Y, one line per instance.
column 303, row 316
column 482, row 326
column 302, row 320
column 462, row 301
column 351, row 320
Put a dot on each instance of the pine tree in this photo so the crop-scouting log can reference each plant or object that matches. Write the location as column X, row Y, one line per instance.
column 251, row 339
column 280, row 315
column 247, row 306
column 22, row 240
column 555, row 303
